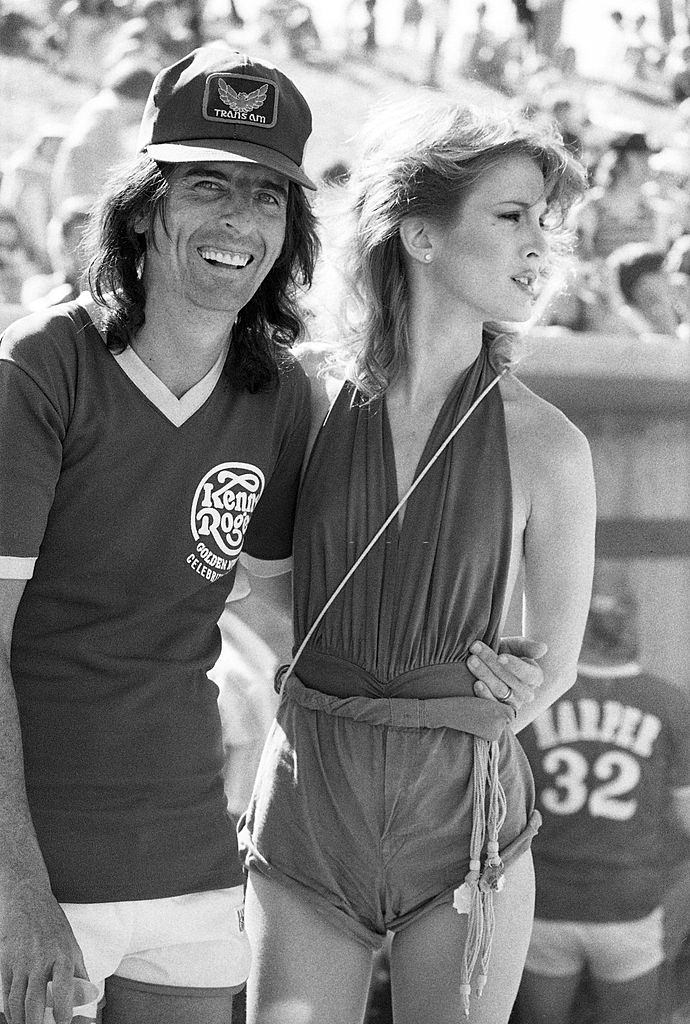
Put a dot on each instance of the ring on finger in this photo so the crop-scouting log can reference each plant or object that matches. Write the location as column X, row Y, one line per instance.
column 508, row 697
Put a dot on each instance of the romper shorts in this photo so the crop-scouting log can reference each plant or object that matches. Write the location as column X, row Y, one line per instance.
column 364, row 804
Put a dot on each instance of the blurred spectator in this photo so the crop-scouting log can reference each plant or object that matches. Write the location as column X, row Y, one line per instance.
column 548, row 22
column 439, row 14
column 623, row 206
column 155, row 36
column 649, row 301
column 65, row 238
column 611, row 760
column 480, row 59
column 572, row 120
column 82, row 32
column 496, row 61
column 588, row 300
column 19, row 33
column 15, row 264
column 646, row 52
column 413, row 16
column 678, row 67
column 292, row 23
column 678, row 268
column 102, row 134
column 525, row 14
column 671, row 167
column 25, row 189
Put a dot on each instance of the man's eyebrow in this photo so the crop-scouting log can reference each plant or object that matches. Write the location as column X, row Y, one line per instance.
column 200, row 172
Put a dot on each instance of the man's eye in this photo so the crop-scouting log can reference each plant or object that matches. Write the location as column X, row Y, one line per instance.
column 268, row 198
column 513, row 215
column 208, row 185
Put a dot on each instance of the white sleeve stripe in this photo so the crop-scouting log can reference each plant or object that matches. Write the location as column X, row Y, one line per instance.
column 13, row 568
column 264, row 568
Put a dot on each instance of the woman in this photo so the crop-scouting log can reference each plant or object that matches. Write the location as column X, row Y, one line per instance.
column 379, row 802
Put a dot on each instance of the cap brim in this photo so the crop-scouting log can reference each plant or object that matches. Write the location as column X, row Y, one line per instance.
column 235, row 150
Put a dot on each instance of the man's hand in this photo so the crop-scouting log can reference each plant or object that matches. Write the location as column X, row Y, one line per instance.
column 511, row 676
column 37, row 945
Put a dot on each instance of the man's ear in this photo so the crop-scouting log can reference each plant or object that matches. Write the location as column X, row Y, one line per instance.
column 142, row 223
column 417, row 239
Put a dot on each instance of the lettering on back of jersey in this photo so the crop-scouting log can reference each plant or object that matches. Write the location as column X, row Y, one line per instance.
column 609, row 721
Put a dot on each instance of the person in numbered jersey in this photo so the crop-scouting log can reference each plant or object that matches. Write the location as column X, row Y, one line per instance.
column 389, row 798
column 611, row 761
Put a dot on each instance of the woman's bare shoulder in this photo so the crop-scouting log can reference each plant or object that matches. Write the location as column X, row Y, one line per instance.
column 540, row 437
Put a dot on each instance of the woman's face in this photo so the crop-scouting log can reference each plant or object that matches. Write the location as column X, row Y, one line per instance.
column 487, row 260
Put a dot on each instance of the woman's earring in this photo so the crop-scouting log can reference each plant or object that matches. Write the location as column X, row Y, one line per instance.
column 427, row 257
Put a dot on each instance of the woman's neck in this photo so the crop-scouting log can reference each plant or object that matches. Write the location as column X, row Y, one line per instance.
column 441, row 346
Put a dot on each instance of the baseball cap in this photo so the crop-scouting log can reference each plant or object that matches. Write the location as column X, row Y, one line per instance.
column 219, row 104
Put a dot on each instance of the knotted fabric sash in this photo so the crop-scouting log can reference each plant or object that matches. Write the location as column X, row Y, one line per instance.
column 352, row 693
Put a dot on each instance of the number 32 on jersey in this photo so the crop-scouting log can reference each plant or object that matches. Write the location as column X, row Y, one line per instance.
column 605, row 786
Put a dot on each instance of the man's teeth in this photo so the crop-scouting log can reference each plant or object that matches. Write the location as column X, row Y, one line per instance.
column 526, row 282
column 230, row 259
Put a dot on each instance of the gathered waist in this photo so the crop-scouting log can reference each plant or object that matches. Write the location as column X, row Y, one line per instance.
column 339, row 677
column 474, row 715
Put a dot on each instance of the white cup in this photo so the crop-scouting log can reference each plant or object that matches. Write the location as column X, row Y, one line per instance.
column 84, row 994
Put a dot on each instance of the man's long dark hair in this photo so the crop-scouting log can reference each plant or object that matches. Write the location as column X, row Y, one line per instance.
column 269, row 323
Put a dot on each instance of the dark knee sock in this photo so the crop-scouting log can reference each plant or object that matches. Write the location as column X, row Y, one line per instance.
column 133, row 1002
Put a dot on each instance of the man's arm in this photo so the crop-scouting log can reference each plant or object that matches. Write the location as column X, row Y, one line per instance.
column 266, row 607
column 36, row 941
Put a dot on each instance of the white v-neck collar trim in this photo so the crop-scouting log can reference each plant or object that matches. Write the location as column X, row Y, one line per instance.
column 177, row 410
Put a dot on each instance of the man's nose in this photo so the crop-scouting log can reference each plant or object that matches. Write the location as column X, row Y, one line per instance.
column 237, row 209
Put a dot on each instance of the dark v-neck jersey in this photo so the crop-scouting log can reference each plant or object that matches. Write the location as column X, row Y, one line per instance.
column 127, row 529
column 427, row 590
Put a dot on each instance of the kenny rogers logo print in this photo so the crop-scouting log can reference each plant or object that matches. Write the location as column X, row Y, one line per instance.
column 221, row 510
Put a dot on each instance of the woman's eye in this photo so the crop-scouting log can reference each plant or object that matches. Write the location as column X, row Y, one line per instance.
column 514, row 216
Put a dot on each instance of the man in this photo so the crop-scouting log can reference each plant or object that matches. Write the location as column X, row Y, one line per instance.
column 147, row 441
column 141, row 453
column 611, row 761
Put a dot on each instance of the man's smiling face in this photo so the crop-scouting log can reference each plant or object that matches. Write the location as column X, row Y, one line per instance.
column 224, row 229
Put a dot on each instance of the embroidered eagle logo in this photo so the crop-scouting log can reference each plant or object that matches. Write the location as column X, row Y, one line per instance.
column 241, row 102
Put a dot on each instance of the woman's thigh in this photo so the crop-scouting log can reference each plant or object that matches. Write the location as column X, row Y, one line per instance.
column 304, row 969
column 426, row 958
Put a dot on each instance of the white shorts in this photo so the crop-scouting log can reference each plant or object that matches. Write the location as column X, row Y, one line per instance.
column 615, row 952
column 192, row 941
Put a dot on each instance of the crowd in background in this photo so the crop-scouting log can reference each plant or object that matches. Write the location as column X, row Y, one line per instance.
column 630, row 274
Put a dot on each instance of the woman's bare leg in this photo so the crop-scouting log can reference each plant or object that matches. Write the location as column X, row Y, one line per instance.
column 304, row 970
column 425, row 958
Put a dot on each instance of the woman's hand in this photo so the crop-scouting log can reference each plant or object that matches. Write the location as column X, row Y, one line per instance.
column 511, row 676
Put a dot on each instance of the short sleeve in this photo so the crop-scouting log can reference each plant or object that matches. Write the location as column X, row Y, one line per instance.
column 269, row 534
column 32, row 431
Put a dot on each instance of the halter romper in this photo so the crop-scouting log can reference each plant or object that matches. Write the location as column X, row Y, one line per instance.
column 363, row 800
